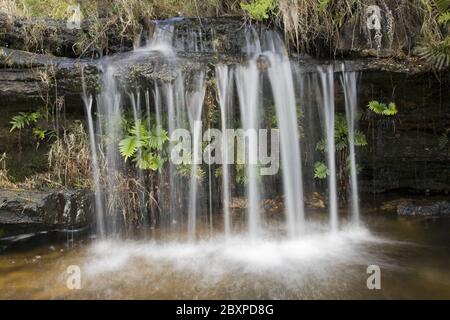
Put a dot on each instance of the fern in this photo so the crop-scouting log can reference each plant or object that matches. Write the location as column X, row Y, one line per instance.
column 142, row 144
column 376, row 107
column 341, row 138
column 437, row 53
column 139, row 130
column 157, row 138
column 360, row 139
column 382, row 108
column 129, row 146
column 24, row 119
column 149, row 161
column 390, row 110
column 39, row 133
column 321, row 170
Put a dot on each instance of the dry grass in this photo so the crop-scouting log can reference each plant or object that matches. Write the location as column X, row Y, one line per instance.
column 5, row 182
column 307, row 22
column 11, row 8
column 70, row 160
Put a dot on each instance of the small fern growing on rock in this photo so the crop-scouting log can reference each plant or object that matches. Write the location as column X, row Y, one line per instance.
column 143, row 146
column 382, row 108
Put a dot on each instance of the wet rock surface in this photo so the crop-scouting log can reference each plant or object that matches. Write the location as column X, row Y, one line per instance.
column 34, row 211
column 415, row 207
column 440, row 208
column 404, row 154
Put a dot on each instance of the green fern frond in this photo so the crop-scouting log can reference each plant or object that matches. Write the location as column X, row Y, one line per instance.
column 24, row 119
column 39, row 133
column 157, row 138
column 376, row 107
column 360, row 139
column 139, row 130
column 390, row 110
column 149, row 161
column 437, row 53
column 129, row 146
column 382, row 108
column 321, row 170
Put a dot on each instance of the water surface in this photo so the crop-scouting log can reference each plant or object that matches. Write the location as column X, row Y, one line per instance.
column 413, row 254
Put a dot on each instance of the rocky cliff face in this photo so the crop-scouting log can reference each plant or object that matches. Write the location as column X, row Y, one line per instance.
column 403, row 154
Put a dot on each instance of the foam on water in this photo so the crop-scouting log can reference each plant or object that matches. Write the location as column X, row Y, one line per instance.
column 313, row 252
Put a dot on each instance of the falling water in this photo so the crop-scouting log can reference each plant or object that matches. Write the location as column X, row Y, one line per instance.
column 88, row 101
column 136, row 107
column 108, row 103
column 247, row 88
column 327, row 80
column 224, row 85
column 194, row 103
column 280, row 76
column 351, row 103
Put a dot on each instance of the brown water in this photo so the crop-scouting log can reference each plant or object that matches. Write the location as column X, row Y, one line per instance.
column 413, row 254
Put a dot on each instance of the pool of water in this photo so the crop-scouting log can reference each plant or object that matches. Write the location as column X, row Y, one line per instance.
column 413, row 256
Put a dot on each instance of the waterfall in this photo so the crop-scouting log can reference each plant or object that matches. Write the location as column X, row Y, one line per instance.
column 88, row 101
column 280, row 76
column 136, row 107
column 194, row 103
column 108, row 102
column 268, row 85
column 328, row 108
column 351, row 104
column 248, row 86
column 224, row 86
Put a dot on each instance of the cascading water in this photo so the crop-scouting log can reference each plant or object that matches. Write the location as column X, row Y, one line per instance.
column 327, row 81
column 280, row 76
column 266, row 80
column 108, row 103
column 351, row 104
column 224, row 86
column 88, row 102
column 247, row 82
column 194, row 102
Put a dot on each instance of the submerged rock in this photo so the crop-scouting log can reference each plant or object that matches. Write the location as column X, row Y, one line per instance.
column 33, row 211
column 440, row 208
column 410, row 207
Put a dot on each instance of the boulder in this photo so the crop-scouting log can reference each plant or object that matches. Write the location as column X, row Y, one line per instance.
column 416, row 207
column 439, row 208
column 34, row 211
